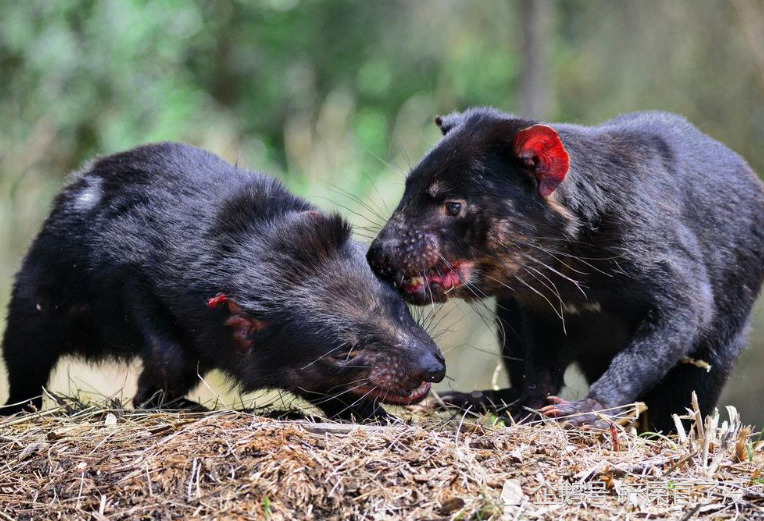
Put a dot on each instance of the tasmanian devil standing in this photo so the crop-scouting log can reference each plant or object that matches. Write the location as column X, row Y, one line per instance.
column 634, row 249
column 169, row 253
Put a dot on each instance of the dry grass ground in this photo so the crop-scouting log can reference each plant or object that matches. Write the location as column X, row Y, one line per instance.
column 106, row 462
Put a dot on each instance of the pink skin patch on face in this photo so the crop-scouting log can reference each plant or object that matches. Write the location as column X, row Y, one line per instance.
column 444, row 278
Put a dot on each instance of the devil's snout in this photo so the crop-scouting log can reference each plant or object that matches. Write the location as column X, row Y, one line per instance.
column 379, row 256
column 433, row 367
column 430, row 364
column 410, row 253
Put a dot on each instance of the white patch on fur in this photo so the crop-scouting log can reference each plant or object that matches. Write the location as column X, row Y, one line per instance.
column 589, row 307
column 89, row 196
column 592, row 307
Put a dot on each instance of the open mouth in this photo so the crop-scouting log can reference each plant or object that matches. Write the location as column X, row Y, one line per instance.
column 440, row 279
column 393, row 398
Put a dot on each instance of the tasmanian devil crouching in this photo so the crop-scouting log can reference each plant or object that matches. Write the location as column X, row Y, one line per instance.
column 634, row 249
column 169, row 253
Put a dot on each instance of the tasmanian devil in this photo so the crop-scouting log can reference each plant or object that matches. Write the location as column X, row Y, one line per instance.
column 169, row 253
column 634, row 249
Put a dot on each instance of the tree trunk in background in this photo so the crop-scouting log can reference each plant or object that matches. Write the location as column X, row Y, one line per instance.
column 536, row 88
column 751, row 16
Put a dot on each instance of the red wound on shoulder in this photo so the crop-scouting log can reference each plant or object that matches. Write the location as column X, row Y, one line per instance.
column 542, row 151
column 217, row 301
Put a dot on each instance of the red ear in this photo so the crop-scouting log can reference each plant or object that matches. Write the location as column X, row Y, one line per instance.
column 541, row 149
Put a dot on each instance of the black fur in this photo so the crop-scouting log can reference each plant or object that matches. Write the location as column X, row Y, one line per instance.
column 137, row 245
column 650, row 253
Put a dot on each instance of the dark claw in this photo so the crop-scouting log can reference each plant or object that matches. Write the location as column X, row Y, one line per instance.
column 551, row 410
column 580, row 413
column 478, row 401
column 508, row 404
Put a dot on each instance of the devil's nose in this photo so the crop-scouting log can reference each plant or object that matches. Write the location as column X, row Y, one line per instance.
column 378, row 257
column 434, row 368
column 375, row 253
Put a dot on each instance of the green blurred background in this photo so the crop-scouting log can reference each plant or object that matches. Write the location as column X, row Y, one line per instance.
column 337, row 97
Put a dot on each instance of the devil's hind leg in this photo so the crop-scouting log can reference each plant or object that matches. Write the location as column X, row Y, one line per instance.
column 34, row 339
column 705, row 373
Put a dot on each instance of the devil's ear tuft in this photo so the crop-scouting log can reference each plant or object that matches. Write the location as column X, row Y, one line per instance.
column 541, row 150
column 324, row 236
column 448, row 122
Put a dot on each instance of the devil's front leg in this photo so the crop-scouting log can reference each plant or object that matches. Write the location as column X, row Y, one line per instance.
column 666, row 334
column 544, row 364
column 168, row 371
column 531, row 343
column 509, row 325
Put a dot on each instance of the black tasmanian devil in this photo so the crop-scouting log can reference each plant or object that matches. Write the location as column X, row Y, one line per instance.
column 633, row 249
column 169, row 253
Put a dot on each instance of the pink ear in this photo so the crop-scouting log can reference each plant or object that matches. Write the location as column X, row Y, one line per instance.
column 541, row 149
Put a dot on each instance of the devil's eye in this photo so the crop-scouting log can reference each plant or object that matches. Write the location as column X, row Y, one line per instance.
column 453, row 208
column 344, row 356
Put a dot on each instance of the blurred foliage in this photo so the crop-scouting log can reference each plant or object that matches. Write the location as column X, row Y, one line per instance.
column 105, row 75
column 337, row 97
